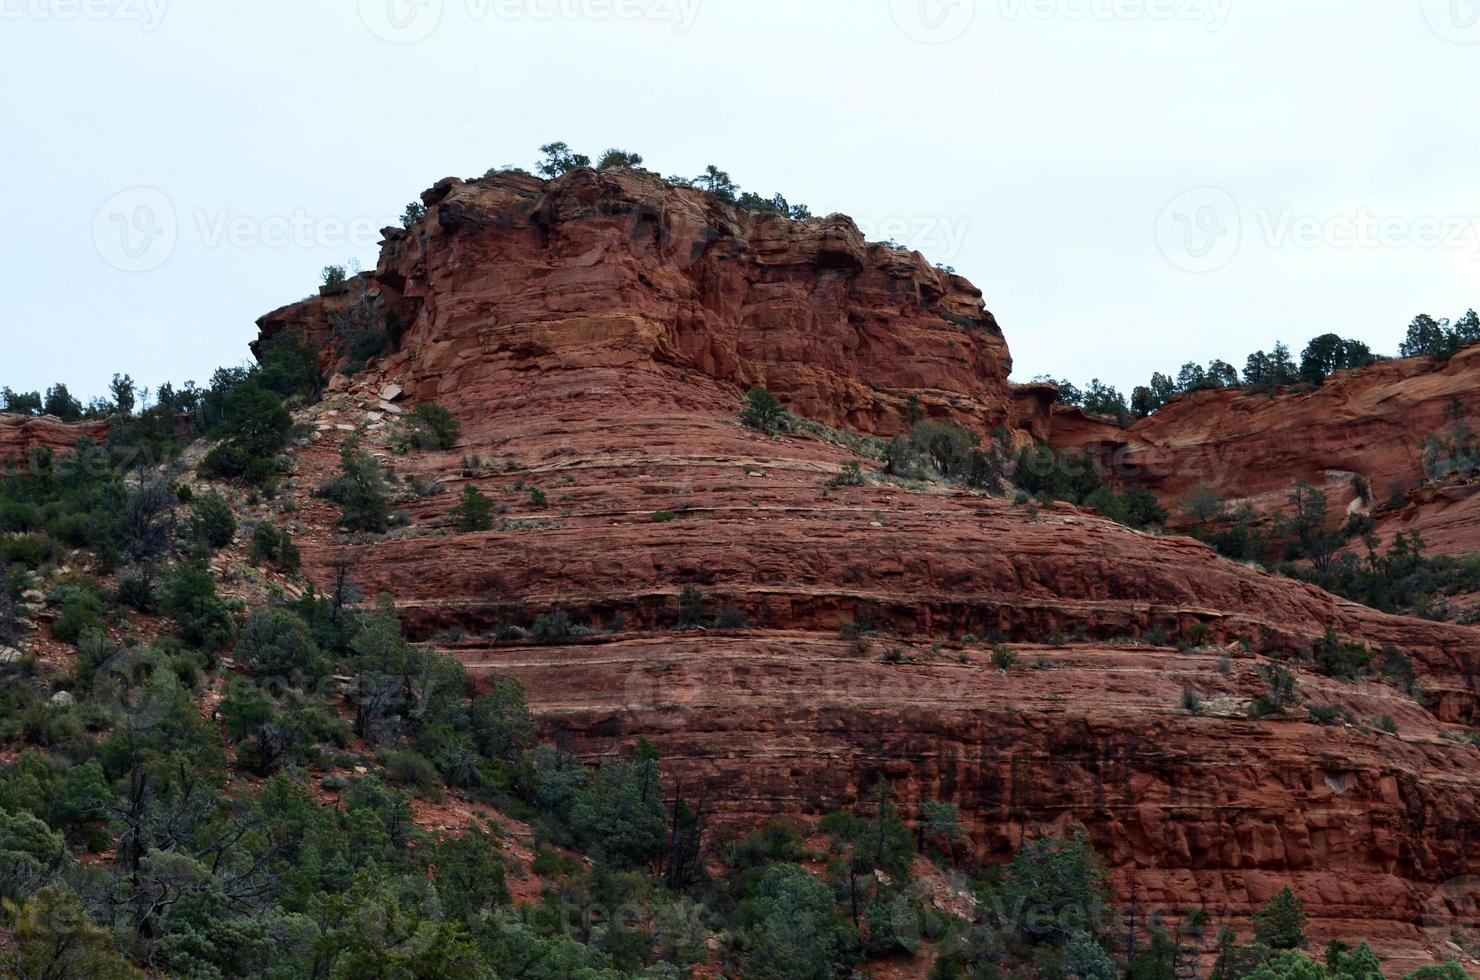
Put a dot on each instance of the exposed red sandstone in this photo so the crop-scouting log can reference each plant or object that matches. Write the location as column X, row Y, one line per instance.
column 1254, row 448
column 623, row 270
column 599, row 332
column 22, row 435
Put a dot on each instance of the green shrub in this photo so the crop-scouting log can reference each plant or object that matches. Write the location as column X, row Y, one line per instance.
column 615, row 159
column 27, row 550
column 359, row 489
column 550, row 863
column 1447, row 971
column 1280, row 923
column 500, row 723
column 74, row 618
column 136, row 590
column 1281, row 691
column 793, row 929
column 474, row 511
column 213, row 521
column 17, row 515
column 762, row 412
column 691, row 609
column 201, row 617
column 945, row 445
column 664, row 516
column 775, row 841
column 74, row 530
column 552, row 627
column 276, row 643
column 1003, row 658
column 1326, row 714
column 414, row 771
column 851, row 476
column 273, row 546
column 431, row 426
column 1055, row 888
column 1347, row 661
column 254, row 430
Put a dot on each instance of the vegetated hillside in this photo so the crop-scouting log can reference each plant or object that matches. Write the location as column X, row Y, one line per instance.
column 819, row 684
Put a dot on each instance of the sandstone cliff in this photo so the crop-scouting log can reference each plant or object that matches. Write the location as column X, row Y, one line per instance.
column 21, row 436
column 595, row 335
column 509, row 276
column 1253, row 448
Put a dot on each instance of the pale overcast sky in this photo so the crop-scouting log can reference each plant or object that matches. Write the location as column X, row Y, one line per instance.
column 1132, row 183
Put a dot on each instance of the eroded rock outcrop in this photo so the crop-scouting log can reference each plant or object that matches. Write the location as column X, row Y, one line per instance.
column 22, row 436
column 624, row 270
column 595, row 335
column 1251, row 447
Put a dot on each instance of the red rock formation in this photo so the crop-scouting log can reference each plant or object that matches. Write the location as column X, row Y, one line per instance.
column 595, row 336
column 624, row 270
column 1254, row 448
column 21, row 436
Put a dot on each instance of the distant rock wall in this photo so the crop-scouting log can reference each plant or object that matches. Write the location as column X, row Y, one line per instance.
column 1254, row 448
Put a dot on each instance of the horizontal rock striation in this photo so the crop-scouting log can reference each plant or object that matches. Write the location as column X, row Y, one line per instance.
column 23, row 436
column 1254, row 448
column 595, row 335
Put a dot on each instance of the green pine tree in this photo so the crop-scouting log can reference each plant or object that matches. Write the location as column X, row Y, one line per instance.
column 474, row 511
column 1280, row 924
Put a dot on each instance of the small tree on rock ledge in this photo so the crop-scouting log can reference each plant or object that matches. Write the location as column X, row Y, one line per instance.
column 1280, row 924
column 474, row 512
column 762, row 412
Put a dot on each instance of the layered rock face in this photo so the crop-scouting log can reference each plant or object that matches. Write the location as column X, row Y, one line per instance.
column 595, row 336
column 1253, row 448
column 22, row 436
column 509, row 276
